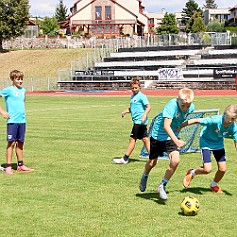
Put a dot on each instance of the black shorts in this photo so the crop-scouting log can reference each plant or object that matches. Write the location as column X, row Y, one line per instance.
column 139, row 131
column 157, row 148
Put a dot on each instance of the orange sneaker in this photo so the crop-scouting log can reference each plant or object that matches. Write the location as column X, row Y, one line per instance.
column 187, row 179
column 216, row 189
column 24, row 168
column 8, row 170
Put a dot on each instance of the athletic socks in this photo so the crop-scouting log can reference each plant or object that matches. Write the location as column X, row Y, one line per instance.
column 213, row 183
column 20, row 163
column 164, row 181
column 125, row 157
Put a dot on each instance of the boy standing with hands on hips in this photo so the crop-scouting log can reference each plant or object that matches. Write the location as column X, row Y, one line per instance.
column 16, row 120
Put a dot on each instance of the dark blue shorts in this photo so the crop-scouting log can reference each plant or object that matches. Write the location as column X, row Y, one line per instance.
column 16, row 132
column 139, row 131
column 157, row 148
column 218, row 154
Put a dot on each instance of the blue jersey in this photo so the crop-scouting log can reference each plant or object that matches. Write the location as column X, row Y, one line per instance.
column 138, row 104
column 213, row 134
column 15, row 103
column 171, row 111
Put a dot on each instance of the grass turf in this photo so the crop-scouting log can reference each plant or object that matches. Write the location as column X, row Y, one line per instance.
column 76, row 190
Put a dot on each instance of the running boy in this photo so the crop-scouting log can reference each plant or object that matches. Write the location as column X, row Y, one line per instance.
column 164, row 138
column 216, row 128
column 139, row 108
column 16, row 120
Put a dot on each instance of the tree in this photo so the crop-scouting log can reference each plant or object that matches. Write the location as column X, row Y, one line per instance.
column 210, row 4
column 168, row 25
column 190, row 8
column 49, row 26
column 61, row 12
column 197, row 24
column 216, row 26
column 14, row 15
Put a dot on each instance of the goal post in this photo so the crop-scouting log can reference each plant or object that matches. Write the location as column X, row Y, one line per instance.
column 189, row 134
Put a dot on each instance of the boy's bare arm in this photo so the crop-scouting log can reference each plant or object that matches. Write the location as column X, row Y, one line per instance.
column 170, row 132
column 148, row 108
column 4, row 113
column 126, row 111
column 188, row 122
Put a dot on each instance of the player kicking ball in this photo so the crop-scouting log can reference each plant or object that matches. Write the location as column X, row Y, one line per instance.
column 216, row 128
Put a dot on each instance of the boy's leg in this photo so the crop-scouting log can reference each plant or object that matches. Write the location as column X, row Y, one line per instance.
column 174, row 162
column 9, row 152
column 146, row 142
column 19, row 154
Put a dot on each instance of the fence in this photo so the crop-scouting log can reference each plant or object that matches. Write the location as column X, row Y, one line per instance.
column 34, row 84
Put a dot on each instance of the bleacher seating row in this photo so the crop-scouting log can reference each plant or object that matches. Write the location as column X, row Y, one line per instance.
column 197, row 63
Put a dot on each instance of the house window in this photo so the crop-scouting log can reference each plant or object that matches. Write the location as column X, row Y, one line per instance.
column 98, row 11
column 107, row 12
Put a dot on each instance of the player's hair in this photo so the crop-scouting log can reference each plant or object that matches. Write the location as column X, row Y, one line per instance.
column 15, row 73
column 135, row 81
column 231, row 108
column 186, row 94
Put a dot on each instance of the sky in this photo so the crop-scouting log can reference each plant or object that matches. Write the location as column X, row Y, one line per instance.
column 47, row 7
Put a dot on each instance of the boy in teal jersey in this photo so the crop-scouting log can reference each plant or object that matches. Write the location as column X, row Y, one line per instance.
column 216, row 128
column 16, row 120
column 139, row 108
column 164, row 138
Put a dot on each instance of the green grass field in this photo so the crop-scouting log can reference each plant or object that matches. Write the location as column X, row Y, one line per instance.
column 76, row 190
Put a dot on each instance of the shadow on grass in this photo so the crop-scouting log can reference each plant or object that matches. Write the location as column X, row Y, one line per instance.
column 200, row 190
column 151, row 196
column 131, row 160
column 14, row 166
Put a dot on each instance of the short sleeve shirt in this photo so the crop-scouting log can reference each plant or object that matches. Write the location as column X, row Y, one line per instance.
column 171, row 111
column 15, row 103
column 213, row 134
column 138, row 104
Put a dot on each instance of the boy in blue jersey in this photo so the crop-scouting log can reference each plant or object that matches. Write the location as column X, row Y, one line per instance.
column 216, row 128
column 16, row 120
column 139, row 108
column 164, row 138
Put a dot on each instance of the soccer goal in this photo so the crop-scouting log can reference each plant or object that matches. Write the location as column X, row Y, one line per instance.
column 189, row 134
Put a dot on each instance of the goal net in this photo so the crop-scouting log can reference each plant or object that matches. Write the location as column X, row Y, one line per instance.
column 189, row 134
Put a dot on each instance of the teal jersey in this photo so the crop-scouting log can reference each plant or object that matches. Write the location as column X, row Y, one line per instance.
column 213, row 134
column 15, row 103
column 138, row 104
column 171, row 111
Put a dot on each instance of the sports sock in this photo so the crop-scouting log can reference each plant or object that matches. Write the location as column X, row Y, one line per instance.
column 192, row 172
column 20, row 163
column 213, row 183
column 125, row 157
column 164, row 181
column 144, row 175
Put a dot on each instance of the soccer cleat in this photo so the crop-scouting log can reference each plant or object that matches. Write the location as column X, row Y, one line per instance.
column 8, row 170
column 120, row 161
column 162, row 192
column 142, row 185
column 24, row 168
column 216, row 189
column 187, row 179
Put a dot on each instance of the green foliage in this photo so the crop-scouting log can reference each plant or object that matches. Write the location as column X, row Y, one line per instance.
column 216, row 26
column 210, row 4
column 49, row 26
column 206, row 39
column 232, row 29
column 14, row 15
column 188, row 11
column 76, row 190
column 168, row 25
column 61, row 12
column 196, row 24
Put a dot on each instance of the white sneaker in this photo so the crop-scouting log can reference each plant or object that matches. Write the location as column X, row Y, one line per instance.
column 120, row 161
